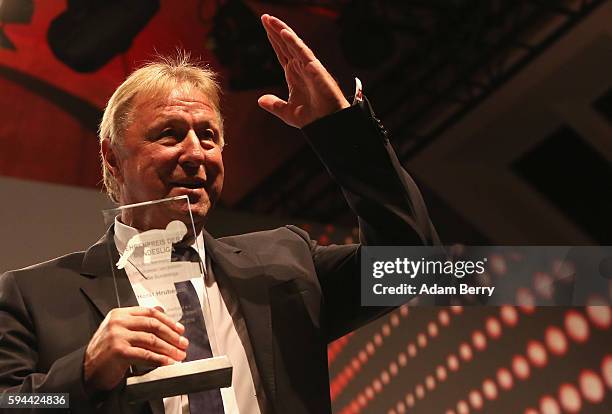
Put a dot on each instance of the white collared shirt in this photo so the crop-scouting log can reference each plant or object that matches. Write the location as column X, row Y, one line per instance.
column 240, row 398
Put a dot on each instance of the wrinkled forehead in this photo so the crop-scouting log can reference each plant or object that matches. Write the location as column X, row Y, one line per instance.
column 164, row 96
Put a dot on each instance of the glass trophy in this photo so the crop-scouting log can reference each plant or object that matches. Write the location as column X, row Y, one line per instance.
column 154, row 245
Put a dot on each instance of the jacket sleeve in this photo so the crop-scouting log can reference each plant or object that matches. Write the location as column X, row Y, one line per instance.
column 19, row 355
column 354, row 148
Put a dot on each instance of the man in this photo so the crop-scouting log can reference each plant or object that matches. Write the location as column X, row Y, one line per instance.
column 280, row 298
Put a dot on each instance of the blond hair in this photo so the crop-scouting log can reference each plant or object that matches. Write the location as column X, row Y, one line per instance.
column 154, row 78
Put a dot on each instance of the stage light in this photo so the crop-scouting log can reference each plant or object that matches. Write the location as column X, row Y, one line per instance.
column 504, row 378
column 476, row 400
column 537, row 354
column 509, row 315
column 548, row 405
column 493, row 328
column 555, row 340
column 89, row 33
column 520, row 367
column 591, row 386
column 606, row 370
column 569, row 397
column 576, row 326
column 240, row 43
column 441, row 373
column 465, row 352
column 489, row 389
column 600, row 316
column 14, row 11
column 479, row 340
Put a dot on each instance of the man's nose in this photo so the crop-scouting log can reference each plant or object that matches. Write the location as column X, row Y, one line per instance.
column 192, row 154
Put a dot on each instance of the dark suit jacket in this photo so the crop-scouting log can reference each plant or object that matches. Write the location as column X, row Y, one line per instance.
column 288, row 297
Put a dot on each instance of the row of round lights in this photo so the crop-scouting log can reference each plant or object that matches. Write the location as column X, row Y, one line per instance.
column 575, row 328
column 421, row 341
column 348, row 372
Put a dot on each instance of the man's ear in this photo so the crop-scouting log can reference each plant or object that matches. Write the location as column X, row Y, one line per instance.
column 110, row 160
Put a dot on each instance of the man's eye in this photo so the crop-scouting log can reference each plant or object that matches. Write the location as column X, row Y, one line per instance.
column 207, row 135
column 167, row 133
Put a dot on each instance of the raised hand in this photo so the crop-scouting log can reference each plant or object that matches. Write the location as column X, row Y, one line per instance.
column 131, row 336
column 313, row 93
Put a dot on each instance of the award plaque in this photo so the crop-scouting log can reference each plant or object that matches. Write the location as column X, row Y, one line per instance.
column 156, row 248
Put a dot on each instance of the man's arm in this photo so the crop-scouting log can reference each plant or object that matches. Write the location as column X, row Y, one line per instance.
column 353, row 146
column 19, row 354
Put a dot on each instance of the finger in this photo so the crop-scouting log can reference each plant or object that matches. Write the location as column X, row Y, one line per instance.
column 276, row 41
column 152, row 342
column 157, row 314
column 273, row 104
column 154, row 326
column 135, row 356
column 297, row 47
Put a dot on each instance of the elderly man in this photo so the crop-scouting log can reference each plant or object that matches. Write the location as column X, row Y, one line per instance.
column 277, row 298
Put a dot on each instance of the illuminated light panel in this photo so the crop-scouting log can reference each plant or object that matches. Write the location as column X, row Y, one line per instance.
column 606, row 370
column 432, row 329
column 441, row 373
column 569, row 397
column 378, row 339
column 462, row 407
column 444, row 318
column 404, row 311
column 449, row 411
column 386, row 329
column 400, row 407
column 493, row 327
column 591, row 386
column 430, row 383
column 465, row 352
column 576, row 326
column 536, row 352
column 479, row 340
column 548, row 405
column 509, row 315
column 363, row 357
column 520, row 367
column 489, row 389
column 475, row 399
column 453, row 362
column 555, row 340
column 504, row 378
column 599, row 316
column 530, row 411
column 370, row 349
column 395, row 320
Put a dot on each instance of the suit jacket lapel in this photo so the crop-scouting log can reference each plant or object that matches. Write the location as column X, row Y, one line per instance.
column 103, row 290
column 244, row 288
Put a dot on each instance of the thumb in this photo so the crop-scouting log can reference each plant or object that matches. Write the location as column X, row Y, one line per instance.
column 273, row 104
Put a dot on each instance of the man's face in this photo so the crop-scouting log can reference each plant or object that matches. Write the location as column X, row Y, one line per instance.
column 171, row 147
